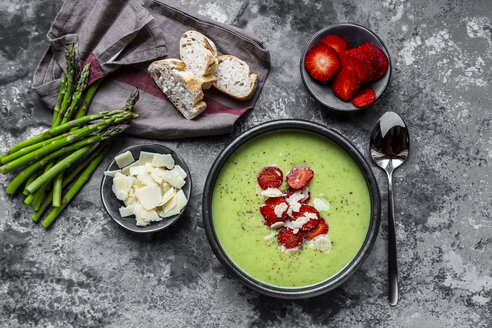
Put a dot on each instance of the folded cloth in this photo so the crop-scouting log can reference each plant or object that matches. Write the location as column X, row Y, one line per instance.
column 119, row 38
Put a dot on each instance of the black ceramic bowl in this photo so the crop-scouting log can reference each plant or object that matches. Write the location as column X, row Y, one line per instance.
column 292, row 125
column 112, row 204
column 355, row 36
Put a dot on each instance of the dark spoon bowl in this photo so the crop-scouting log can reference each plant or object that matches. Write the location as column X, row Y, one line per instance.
column 112, row 204
column 324, row 132
column 355, row 36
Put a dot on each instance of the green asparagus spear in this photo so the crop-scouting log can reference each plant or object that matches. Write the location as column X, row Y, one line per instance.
column 61, row 95
column 57, row 190
column 24, row 174
column 60, row 129
column 39, row 153
column 69, row 160
column 29, row 180
column 71, row 72
column 88, row 99
column 67, row 180
column 57, row 168
column 81, row 86
column 81, row 181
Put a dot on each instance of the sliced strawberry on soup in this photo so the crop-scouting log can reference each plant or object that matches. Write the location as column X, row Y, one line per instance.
column 360, row 61
column 270, row 177
column 299, row 177
column 274, row 210
column 322, row 62
column 379, row 59
column 321, row 229
column 306, row 213
column 336, row 42
column 290, row 240
column 364, row 98
column 346, row 83
column 306, row 194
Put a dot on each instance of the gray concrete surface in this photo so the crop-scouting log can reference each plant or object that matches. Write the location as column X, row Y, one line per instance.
column 87, row 272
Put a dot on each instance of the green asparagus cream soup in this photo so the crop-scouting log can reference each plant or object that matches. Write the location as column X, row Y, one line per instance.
column 238, row 223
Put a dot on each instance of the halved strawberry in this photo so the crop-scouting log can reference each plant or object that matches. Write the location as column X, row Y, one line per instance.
column 305, row 200
column 270, row 177
column 336, row 42
column 299, row 177
column 289, row 239
column 361, row 62
column 379, row 59
column 321, row 229
column 346, row 83
column 322, row 62
column 364, row 98
column 271, row 213
column 309, row 212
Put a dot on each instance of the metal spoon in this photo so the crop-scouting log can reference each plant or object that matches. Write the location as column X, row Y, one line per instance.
column 389, row 147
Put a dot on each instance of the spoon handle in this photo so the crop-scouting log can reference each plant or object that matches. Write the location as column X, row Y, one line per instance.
column 392, row 263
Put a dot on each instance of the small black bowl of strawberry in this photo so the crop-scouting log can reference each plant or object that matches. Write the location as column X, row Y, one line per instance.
column 345, row 67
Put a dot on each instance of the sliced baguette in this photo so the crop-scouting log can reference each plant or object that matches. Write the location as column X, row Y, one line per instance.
column 199, row 54
column 234, row 78
column 179, row 85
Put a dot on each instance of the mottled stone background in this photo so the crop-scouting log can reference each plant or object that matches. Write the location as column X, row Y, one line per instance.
column 88, row 272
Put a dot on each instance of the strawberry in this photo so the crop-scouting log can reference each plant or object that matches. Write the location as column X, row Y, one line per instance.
column 364, row 98
column 267, row 210
column 321, row 229
column 322, row 62
column 306, row 200
column 361, row 62
column 346, row 83
column 299, row 177
column 336, row 42
column 290, row 240
column 379, row 59
column 306, row 211
column 270, row 177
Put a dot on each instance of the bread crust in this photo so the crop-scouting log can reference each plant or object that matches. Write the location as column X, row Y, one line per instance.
column 253, row 77
column 194, row 87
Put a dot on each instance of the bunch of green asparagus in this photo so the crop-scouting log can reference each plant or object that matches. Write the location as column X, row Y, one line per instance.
column 64, row 157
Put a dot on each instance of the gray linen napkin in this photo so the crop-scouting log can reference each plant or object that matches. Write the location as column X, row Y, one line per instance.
column 120, row 38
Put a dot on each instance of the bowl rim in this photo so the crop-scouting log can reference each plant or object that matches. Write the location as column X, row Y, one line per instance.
column 347, row 146
column 172, row 220
column 305, row 50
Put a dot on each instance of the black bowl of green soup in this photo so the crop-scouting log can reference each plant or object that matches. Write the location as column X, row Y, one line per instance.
column 343, row 183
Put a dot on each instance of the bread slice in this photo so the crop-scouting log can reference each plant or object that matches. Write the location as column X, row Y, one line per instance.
column 199, row 54
column 179, row 85
column 234, row 78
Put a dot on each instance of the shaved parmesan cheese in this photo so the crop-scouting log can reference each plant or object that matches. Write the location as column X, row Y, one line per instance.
column 280, row 209
column 149, row 196
column 322, row 243
column 124, row 159
column 272, row 192
column 181, row 200
column 173, row 179
column 122, row 185
column 146, row 156
column 136, row 170
column 167, row 196
column 126, row 211
column 269, row 236
column 277, row 225
column 321, row 204
column 150, row 188
column 179, row 170
column 310, row 215
column 146, row 179
column 163, row 160
column 111, row 173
